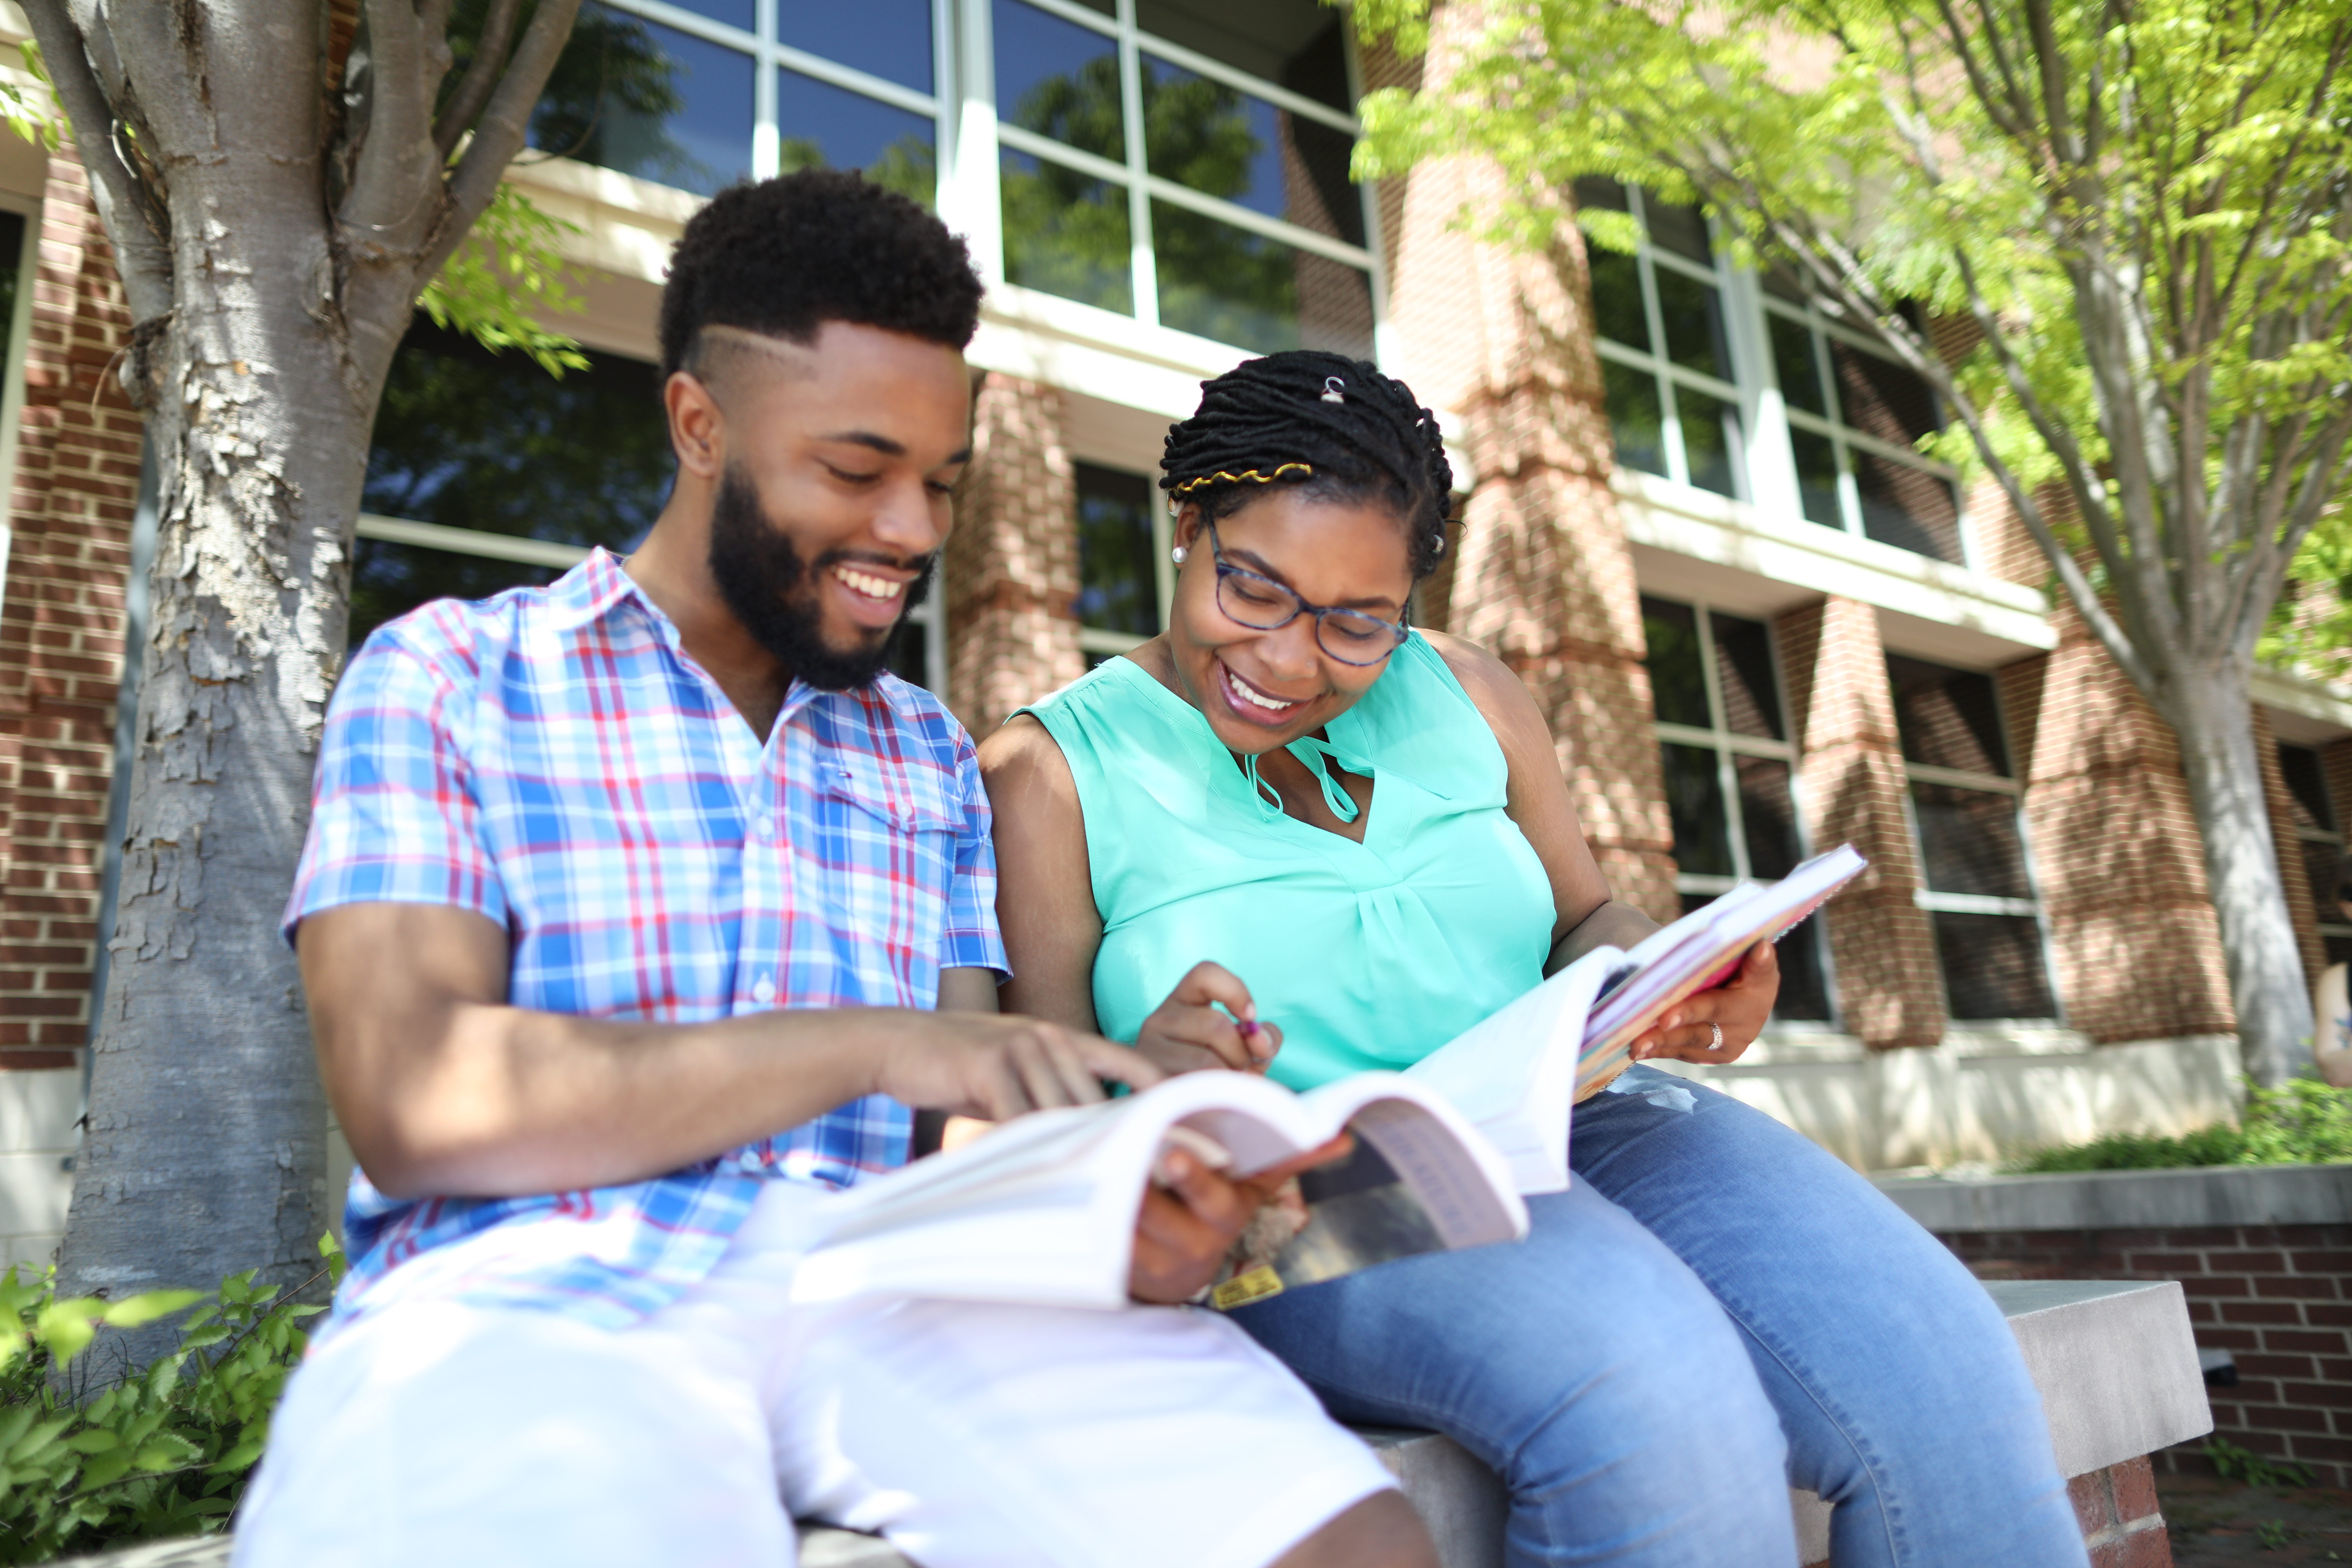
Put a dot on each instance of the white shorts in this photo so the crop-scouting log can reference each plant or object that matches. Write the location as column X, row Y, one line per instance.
column 973, row 1437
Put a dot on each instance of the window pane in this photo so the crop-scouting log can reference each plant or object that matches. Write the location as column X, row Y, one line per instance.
column 2306, row 781
column 1617, row 313
column 734, row 13
column 1992, row 966
column 1695, row 805
column 1119, row 582
column 910, row 653
column 1710, row 435
column 889, row 38
column 1793, row 363
column 2320, row 859
column 1681, row 230
column 820, row 126
column 1691, row 313
column 12, row 250
column 1058, row 79
column 389, row 579
column 1296, row 43
column 649, row 100
column 467, row 438
column 1066, row 233
column 1908, row 507
column 1803, row 997
column 1227, row 143
column 1743, row 669
column 1948, row 718
column 2338, row 949
column 1635, row 423
column 1968, row 842
column 1678, row 683
column 1244, row 289
column 1817, row 477
column 1880, row 396
column 1602, row 192
column 1767, row 816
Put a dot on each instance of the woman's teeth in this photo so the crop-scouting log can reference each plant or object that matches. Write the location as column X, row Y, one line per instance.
column 1251, row 694
column 866, row 583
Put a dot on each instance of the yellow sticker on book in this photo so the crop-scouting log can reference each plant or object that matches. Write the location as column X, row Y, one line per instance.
column 1255, row 1285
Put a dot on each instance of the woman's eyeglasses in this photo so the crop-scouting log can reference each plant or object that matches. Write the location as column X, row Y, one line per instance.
column 1264, row 604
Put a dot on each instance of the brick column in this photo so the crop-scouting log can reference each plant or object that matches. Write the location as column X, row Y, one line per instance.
column 2117, row 854
column 1545, row 576
column 74, row 490
column 1011, row 565
column 1890, row 986
column 2295, row 878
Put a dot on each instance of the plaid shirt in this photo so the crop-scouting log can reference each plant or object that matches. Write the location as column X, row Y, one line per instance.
column 553, row 759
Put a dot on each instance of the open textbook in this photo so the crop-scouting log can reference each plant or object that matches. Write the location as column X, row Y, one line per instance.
column 1041, row 1210
column 1515, row 1073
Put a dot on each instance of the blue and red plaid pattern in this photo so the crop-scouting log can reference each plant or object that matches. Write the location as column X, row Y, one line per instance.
column 553, row 759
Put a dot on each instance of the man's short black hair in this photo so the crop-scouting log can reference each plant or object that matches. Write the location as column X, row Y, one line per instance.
column 782, row 257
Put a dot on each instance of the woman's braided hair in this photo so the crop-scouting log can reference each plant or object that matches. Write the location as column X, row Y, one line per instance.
column 1332, row 426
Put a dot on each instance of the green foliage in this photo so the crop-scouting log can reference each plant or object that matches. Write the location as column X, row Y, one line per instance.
column 34, row 115
column 510, row 267
column 2143, row 201
column 2235, row 1464
column 90, row 1457
column 2302, row 1122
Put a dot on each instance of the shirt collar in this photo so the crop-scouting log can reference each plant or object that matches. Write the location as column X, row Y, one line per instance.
column 598, row 586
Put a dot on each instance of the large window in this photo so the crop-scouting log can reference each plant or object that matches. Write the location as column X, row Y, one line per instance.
column 1667, row 368
column 1731, row 772
column 1124, row 579
column 688, row 93
column 1973, row 852
column 2318, row 843
column 1185, row 162
column 1854, row 418
column 486, row 473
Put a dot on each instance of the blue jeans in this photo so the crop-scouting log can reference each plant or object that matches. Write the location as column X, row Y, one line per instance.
column 1716, row 1310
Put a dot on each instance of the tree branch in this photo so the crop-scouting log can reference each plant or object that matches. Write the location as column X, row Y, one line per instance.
column 504, row 125
column 396, row 176
column 481, row 76
column 137, row 221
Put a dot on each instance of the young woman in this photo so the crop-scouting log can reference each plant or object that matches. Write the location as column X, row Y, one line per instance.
column 1291, row 835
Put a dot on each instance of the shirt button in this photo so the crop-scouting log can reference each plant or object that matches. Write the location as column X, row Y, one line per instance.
column 762, row 829
column 764, row 992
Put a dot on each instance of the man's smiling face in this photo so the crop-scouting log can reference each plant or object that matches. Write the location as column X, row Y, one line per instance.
column 834, row 501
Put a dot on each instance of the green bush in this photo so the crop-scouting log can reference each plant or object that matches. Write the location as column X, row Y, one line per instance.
column 91, row 1457
column 2302, row 1122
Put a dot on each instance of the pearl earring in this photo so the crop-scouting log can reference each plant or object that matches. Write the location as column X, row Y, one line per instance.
column 1178, row 554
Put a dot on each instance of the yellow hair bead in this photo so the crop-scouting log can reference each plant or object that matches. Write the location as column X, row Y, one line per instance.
column 1250, row 473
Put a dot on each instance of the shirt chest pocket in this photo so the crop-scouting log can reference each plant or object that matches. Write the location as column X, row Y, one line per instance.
column 886, row 848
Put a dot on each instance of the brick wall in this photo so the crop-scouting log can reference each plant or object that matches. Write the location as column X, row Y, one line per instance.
column 1890, row 986
column 74, row 491
column 1012, row 564
column 2275, row 1297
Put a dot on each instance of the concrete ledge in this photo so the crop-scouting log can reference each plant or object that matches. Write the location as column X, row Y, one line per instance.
column 2114, row 1360
column 2128, row 1200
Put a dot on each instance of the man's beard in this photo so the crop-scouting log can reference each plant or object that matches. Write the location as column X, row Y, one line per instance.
column 778, row 599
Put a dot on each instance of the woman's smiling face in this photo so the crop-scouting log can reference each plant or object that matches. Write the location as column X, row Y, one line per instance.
column 1263, row 689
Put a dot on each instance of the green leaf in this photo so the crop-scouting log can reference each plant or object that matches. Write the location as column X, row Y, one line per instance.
column 94, row 1442
column 140, row 1309
column 510, row 269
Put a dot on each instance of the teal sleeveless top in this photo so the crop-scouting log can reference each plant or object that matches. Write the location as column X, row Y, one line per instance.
column 1369, row 955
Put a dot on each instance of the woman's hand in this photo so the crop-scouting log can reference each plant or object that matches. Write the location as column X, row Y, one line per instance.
column 1188, row 1033
column 1740, row 1004
column 1183, row 1230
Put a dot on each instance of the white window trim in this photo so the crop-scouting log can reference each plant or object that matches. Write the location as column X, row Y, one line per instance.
column 2329, row 925
column 1101, row 639
column 1979, row 903
column 1654, row 362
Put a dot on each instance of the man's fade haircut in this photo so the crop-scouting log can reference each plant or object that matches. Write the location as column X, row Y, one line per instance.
column 782, row 257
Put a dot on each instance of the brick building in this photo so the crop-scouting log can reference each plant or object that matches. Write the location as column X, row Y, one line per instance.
column 1694, row 518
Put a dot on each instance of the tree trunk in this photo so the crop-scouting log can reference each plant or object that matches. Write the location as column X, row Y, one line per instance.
column 2213, row 715
column 206, row 1148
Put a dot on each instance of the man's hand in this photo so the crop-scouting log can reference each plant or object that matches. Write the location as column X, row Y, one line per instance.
column 1183, row 1231
column 1188, row 1033
column 1740, row 1004
column 995, row 1067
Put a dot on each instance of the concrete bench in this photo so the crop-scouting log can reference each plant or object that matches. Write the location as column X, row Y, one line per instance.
column 2114, row 1360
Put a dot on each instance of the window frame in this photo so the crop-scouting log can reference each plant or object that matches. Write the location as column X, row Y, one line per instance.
column 1726, row 744
column 1717, row 274
column 1131, row 173
column 2329, row 919
column 1934, row 903
column 11, row 375
column 1101, row 640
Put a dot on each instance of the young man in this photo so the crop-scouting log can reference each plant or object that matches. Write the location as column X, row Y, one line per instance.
column 636, row 913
